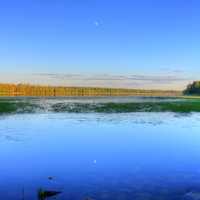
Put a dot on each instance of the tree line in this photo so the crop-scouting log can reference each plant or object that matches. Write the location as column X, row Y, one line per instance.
column 38, row 90
column 193, row 88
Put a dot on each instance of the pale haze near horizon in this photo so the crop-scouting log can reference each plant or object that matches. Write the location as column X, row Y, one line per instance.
column 163, row 82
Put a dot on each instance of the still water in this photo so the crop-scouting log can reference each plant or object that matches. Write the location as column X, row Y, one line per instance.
column 100, row 156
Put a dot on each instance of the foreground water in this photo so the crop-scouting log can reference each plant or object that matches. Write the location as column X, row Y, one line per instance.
column 114, row 156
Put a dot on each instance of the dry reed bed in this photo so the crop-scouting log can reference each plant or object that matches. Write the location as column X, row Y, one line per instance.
column 38, row 90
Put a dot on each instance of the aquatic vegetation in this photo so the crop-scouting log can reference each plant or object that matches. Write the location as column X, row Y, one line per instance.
column 13, row 106
column 17, row 107
column 44, row 194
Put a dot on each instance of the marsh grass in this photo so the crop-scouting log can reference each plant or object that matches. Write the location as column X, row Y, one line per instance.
column 29, row 106
column 9, row 107
column 181, row 106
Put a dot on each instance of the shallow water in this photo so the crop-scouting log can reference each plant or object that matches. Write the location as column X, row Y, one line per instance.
column 136, row 155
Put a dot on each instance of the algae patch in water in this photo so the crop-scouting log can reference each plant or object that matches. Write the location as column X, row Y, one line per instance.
column 8, row 107
column 179, row 106
column 44, row 194
column 163, row 105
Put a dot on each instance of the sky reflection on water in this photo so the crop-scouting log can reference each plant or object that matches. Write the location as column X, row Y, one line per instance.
column 102, row 156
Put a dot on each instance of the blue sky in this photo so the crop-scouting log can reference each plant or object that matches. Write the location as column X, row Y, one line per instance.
column 112, row 37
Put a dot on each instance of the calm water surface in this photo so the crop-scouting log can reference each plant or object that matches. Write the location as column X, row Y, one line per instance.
column 115, row 156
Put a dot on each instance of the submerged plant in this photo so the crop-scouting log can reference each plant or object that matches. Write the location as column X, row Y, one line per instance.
column 44, row 194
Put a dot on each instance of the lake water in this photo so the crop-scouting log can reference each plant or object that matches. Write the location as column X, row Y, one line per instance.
column 100, row 156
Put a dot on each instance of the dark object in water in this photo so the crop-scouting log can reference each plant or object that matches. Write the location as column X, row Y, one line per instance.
column 50, row 178
column 44, row 194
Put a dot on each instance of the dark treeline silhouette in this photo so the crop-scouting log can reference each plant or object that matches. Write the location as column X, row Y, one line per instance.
column 37, row 90
column 193, row 88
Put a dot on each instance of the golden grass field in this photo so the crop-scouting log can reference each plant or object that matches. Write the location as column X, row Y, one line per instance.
column 38, row 90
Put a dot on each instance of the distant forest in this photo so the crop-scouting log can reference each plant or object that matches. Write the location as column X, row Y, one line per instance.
column 193, row 88
column 50, row 91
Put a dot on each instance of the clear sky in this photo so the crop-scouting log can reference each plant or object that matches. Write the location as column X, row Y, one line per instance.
column 148, row 38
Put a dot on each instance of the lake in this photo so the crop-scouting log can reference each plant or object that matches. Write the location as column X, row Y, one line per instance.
column 100, row 148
